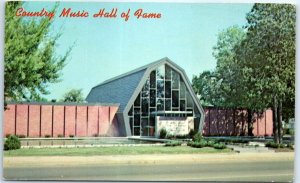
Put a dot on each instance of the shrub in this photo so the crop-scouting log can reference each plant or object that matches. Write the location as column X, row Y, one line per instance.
column 210, row 143
column 281, row 146
column 71, row 135
column 192, row 133
column 95, row 135
column 219, row 146
column 197, row 144
column 239, row 141
column 12, row 142
column 286, row 131
column 47, row 136
column 173, row 143
column 162, row 133
column 7, row 135
column 272, row 144
column 60, row 135
column 197, row 137
column 289, row 145
column 21, row 136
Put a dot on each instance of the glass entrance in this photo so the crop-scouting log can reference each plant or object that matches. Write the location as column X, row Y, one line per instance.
column 164, row 93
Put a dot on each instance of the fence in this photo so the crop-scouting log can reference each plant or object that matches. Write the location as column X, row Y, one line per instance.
column 40, row 120
column 228, row 122
column 47, row 119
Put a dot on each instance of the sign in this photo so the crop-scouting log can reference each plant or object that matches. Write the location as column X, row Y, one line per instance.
column 174, row 125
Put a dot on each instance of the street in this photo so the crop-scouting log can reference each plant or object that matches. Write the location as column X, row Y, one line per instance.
column 280, row 170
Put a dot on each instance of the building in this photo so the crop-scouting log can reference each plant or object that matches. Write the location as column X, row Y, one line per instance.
column 155, row 96
column 138, row 103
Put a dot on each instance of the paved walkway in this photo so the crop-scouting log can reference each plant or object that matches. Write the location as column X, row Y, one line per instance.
column 65, row 161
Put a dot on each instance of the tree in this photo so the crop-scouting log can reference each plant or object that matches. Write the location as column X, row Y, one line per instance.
column 256, row 66
column 222, row 87
column 228, row 71
column 267, row 59
column 204, row 87
column 74, row 95
column 29, row 57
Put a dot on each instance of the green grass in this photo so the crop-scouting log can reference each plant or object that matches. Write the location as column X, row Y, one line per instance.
column 94, row 151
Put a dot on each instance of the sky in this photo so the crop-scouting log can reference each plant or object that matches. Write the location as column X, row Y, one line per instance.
column 104, row 48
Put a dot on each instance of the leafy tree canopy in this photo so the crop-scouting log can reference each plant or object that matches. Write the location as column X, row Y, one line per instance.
column 29, row 57
column 74, row 95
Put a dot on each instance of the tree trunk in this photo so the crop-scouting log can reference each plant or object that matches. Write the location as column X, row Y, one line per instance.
column 249, row 121
column 279, row 118
column 275, row 124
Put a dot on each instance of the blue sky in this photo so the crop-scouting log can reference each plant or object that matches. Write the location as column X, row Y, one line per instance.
column 105, row 48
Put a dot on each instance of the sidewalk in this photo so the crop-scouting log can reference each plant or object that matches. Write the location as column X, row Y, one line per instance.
column 69, row 161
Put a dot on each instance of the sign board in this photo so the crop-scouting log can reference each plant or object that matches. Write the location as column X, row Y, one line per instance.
column 174, row 125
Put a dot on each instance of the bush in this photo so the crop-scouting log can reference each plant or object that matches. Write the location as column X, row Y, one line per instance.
column 95, row 135
column 286, row 131
column 192, row 133
column 211, row 143
column 219, row 146
column 197, row 137
column 7, row 135
column 60, row 135
column 12, row 142
column 281, row 146
column 21, row 136
column 231, row 140
column 162, row 133
column 173, row 143
column 272, row 144
column 197, row 144
column 71, row 135
column 289, row 145
column 47, row 136
column 239, row 141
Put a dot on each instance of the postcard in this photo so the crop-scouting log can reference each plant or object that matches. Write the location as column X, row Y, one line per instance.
column 148, row 91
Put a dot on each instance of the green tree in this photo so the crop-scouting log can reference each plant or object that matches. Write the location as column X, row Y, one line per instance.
column 30, row 63
column 256, row 66
column 222, row 87
column 267, row 59
column 227, row 72
column 204, row 87
column 74, row 95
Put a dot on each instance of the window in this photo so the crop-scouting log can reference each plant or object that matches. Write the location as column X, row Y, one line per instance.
column 153, row 79
column 168, row 105
column 160, row 72
column 175, row 98
column 175, row 80
column 152, row 98
column 182, row 105
column 137, row 101
column 168, row 73
column 160, row 104
column 168, row 89
column 164, row 90
column 145, row 106
column 160, row 88
column 182, row 89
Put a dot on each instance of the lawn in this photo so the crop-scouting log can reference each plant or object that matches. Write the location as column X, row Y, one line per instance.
column 121, row 150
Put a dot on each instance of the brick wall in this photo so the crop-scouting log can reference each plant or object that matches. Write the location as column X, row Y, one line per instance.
column 227, row 122
column 40, row 120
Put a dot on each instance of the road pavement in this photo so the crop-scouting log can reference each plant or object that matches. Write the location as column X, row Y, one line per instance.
column 211, row 167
